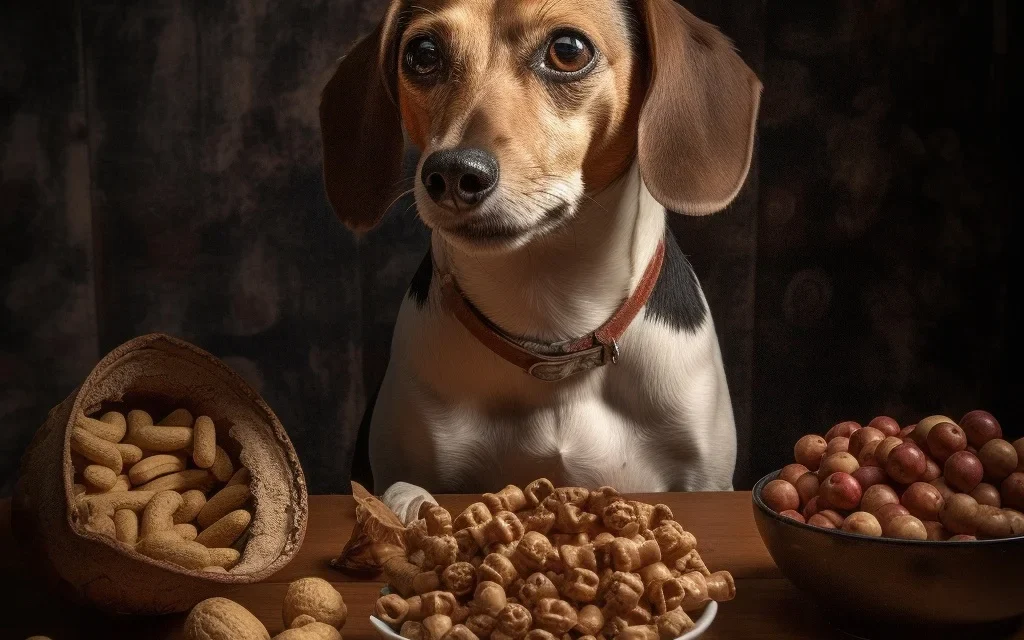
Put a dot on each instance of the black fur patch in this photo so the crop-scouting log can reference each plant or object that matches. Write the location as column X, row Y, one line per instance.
column 676, row 298
column 419, row 288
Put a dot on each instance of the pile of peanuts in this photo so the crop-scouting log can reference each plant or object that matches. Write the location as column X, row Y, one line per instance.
column 934, row 480
column 149, row 486
column 547, row 563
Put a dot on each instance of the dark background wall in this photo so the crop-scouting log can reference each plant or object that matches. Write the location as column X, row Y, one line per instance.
column 161, row 171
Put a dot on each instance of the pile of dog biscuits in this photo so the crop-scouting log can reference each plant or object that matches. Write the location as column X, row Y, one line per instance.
column 543, row 563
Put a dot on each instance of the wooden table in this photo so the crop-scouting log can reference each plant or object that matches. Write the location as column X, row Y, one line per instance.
column 767, row 605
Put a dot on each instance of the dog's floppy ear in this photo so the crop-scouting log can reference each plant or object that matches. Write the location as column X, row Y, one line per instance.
column 361, row 126
column 697, row 125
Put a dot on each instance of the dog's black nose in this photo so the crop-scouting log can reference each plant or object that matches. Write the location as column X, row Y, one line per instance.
column 465, row 175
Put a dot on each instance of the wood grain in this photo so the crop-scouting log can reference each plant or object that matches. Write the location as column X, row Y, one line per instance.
column 767, row 605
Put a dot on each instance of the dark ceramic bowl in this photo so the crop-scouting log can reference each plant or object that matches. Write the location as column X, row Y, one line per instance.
column 885, row 582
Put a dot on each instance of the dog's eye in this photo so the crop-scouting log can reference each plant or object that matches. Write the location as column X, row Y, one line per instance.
column 569, row 53
column 422, row 56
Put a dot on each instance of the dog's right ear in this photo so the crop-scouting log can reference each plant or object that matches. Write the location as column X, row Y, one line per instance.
column 361, row 127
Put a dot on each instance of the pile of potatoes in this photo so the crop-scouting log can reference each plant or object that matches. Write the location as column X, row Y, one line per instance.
column 167, row 490
column 934, row 480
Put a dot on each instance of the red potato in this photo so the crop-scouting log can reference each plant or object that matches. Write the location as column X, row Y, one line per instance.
column 780, row 496
column 841, row 461
column 863, row 523
column 839, row 444
column 959, row 514
column 907, row 528
column 841, row 491
column 992, row 522
column 944, row 490
column 792, row 472
column 820, row 521
column 923, row 501
column 793, row 515
column 870, row 476
column 877, row 496
column 905, row 432
column 986, row 493
column 980, row 427
column 924, row 426
column 867, row 457
column 963, row 471
column 935, row 530
column 833, row 516
column 886, row 425
column 843, row 429
column 1019, row 446
column 885, row 447
column 1012, row 491
column 812, row 508
column 961, row 538
column 944, row 440
column 889, row 511
column 862, row 437
column 932, row 471
column 906, row 463
column 807, row 487
column 809, row 450
column 998, row 458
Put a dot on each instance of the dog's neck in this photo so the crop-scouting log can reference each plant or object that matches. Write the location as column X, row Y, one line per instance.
column 568, row 283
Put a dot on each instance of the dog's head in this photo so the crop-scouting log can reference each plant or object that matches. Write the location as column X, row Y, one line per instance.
column 520, row 107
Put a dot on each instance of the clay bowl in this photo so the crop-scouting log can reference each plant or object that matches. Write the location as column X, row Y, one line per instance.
column 882, row 587
column 158, row 373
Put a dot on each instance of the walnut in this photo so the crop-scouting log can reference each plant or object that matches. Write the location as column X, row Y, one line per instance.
column 576, row 496
column 437, row 519
column 691, row 562
column 555, row 616
column 412, row 630
column 425, row 582
column 638, row 632
column 601, row 498
column 504, row 528
column 467, row 545
column 540, row 519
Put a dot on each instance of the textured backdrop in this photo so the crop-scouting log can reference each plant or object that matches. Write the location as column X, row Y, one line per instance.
column 161, row 171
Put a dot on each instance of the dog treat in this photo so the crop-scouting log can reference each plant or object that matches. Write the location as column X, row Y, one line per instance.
column 159, row 506
column 934, row 480
column 540, row 562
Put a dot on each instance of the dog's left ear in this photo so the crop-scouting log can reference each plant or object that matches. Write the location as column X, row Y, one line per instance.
column 697, row 125
column 361, row 127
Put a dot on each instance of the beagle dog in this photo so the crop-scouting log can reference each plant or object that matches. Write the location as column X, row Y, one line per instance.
column 554, row 329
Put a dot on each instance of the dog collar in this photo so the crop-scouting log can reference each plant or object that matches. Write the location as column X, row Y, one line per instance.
column 564, row 359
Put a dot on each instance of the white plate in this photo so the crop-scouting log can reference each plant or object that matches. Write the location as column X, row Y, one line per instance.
column 702, row 623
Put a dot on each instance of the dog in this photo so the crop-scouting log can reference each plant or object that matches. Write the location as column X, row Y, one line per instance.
column 554, row 329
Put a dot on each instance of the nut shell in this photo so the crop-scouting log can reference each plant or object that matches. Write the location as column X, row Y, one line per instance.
column 108, row 574
column 223, row 619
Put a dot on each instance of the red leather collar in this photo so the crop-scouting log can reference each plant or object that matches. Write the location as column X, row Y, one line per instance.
column 588, row 352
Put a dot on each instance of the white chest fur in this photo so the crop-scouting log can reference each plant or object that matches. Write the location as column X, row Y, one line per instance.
column 453, row 417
